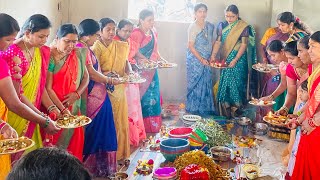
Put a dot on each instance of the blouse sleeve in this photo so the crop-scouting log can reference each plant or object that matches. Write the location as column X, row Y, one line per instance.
column 14, row 62
column 192, row 33
column 136, row 37
column 219, row 29
column 290, row 72
column 96, row 50
column 51, row 65
column 4, row 69
column 134, row 48
column 88, row 57
column 245, row 32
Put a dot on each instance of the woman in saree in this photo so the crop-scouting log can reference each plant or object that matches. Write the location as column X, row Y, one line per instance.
column 33, row 58
column 67, row 80
column 277, row 55
column 235, row 37
column 137, row 131
column 100, row 144
column 292, row 25
column 296, row 73
column 199, row 73
column 146, row 37
column 112, row 56
column 308, row 156
column 9, row 99
column 271, row 34
column 270, row 81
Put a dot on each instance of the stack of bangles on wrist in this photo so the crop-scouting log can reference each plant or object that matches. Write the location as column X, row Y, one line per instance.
column 285, row 109
column 3, row 124
column 47, row 119
column 271, row 97
column 47, row 122
column 64, row 109
column 77, row 94
column 51, row 108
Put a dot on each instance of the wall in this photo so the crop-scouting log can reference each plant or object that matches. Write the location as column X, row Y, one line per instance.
column 21, row 10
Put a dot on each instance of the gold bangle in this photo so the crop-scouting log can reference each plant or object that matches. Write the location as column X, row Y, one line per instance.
column 271, row 96
column 285, row 109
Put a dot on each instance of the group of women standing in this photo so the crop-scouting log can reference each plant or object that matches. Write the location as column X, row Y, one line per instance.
column 79, row 75
column 292, row 46
column 234, row 42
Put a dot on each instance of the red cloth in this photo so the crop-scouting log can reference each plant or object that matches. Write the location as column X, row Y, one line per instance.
column 308, row 156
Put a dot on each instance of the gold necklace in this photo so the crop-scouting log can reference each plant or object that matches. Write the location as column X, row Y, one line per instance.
column 301, row 71
column 28, row 51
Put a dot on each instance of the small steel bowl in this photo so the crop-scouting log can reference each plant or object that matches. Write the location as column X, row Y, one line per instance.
column 220, row 153
column 259, row 129
column 244, row 121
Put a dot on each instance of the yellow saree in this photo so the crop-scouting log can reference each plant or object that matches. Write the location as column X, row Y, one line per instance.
column 30, row 85
column 5, row 163
column 113, row 58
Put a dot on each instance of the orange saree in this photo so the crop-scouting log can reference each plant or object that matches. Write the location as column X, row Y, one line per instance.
column 67, row 77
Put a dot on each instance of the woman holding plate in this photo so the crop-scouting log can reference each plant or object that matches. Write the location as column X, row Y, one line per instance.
column 147, row 39
column 112, row 56
column 137, row 131
column 199, row 73
column 67, row 80
column 100, row 148
column 236, row 38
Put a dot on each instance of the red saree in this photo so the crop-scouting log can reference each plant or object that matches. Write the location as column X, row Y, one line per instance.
column 308, row 156
column 67, row 77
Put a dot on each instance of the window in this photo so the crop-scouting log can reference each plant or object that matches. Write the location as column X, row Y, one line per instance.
column 164, row 10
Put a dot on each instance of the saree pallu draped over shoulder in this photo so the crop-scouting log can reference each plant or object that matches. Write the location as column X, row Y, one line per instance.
column 67, row 77
column 236, row 83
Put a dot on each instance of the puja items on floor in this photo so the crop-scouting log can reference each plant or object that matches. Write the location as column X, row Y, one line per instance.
column 202, row 160
column 165, row 173
column 194, row 172
column 215, row 133
column 144, row 167
column 277, row 126
column 173, row 147
column 198, row 140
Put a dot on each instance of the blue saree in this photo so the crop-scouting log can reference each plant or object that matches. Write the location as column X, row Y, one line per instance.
column 199, row 76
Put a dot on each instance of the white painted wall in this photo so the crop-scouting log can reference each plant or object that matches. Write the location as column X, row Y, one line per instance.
column 21, row 10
